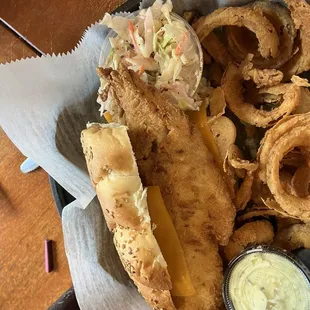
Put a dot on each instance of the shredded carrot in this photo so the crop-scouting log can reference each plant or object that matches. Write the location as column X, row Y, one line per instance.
column 178, row 50
column 131, row 29
column 141, row 70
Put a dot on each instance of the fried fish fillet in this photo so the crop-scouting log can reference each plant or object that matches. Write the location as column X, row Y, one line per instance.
column 171, row 154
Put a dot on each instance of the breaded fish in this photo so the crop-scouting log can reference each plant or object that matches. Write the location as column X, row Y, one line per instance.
column 171, row 154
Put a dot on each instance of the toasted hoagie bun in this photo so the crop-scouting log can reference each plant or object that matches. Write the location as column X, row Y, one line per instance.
column 114, row 174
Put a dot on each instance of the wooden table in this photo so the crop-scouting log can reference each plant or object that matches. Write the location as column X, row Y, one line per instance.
column 27, row 210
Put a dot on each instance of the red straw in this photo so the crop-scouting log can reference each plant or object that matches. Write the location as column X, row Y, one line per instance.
column 48, row 249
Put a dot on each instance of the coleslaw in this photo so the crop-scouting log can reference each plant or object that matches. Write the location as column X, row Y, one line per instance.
column 158, row 45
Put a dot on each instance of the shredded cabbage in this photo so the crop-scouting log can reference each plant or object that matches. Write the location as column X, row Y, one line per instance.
column 179, row 91
column 149, row 64
column 165, row 40
column 167, row 73
column 175, row 30
column 118, row 23
column 156, row 9
column 149, row 30
column 167, row 9
column 140, row 43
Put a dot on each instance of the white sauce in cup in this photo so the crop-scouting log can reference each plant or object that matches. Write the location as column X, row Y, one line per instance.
column 267, row 281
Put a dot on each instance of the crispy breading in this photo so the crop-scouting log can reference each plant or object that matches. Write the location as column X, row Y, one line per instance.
column 294, row 237
column 300, row 62
column 232, row 84
column 241, row 41
column 242, row 17
column 244, row 193
column 259, row 232
column 261, row 77
column 255, row 212
column 171, row 154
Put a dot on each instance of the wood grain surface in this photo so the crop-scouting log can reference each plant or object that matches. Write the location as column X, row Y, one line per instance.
column 11, row 47
column 54, row 26
column 27, row 211
column 27, row 216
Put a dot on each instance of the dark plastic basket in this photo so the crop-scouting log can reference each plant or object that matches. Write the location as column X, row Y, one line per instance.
column 62, row 198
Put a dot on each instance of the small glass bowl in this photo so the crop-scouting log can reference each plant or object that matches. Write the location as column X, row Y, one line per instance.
column 194, row 38
column 260, row 249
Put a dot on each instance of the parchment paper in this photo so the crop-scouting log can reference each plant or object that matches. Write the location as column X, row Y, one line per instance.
column 44, row 105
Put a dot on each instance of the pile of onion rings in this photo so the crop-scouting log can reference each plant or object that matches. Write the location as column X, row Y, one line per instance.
column 258, row 111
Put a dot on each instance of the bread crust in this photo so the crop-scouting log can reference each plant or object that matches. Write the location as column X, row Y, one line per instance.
column 114, row 174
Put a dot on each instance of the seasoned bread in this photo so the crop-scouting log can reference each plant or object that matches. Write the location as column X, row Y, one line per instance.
column 114, row 174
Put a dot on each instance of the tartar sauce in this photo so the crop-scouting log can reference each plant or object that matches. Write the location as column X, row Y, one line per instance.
column 267, row 281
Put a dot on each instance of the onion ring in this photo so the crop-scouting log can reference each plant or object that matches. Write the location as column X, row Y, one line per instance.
column 256, row 212
column 300, row 181
column 244, row 193
column 241, row 17
column 234, row 159
column 286, row 222
column 262, row 194
column 233, row 153
column 224, row 132
column 238, row 163
column 273, row 205
column 261, row 77
column 299, row 207
column 272, row 135
column 300, row 62
column 233, row 89
column 300, row 81
column 294, row 237
column 257, row 232
column 279, row 16
column 304, row 106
